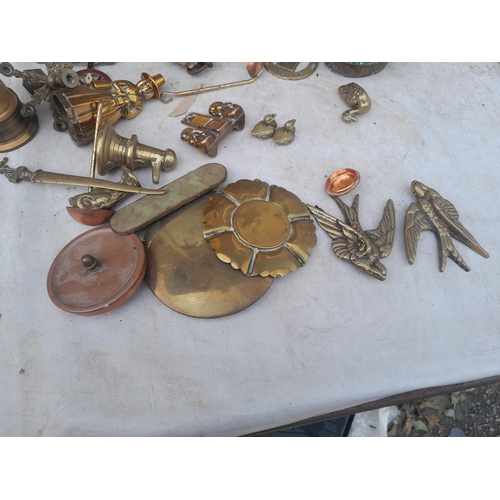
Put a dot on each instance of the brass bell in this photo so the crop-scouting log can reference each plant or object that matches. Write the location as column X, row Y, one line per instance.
column 113, row 150
column 15, row 130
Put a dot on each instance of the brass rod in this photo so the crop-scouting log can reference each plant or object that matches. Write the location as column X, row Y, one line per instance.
column 22, row 173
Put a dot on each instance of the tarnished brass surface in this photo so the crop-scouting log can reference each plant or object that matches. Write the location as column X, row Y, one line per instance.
column 113, row 151
column 147, row 210
column 261, row 229
column 193, row 68
column 120, row 98
column 353, row 69
column 266, row 128
column 354, row 96
column 286, row 134
column 432, row 212
column 362, row 248
column 288, row 71
column 23, row 174
column 42, row 86
column 210, row 129
column 16, row 130
column 184, row 273
column 254, row 70
column 96, row 272
column 342, row 182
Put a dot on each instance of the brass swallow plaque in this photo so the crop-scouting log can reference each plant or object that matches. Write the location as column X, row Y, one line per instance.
column 432, row 212
column 362, row 248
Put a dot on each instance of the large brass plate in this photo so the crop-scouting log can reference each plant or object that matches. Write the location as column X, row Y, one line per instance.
column 185, row 274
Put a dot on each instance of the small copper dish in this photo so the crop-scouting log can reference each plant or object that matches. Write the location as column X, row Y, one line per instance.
column 342, row 182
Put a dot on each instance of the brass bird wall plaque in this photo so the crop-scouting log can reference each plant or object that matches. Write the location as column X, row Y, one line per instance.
column 432, row 212
column 362, row 248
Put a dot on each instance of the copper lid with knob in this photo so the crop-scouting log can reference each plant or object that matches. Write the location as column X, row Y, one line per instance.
column 96, row 272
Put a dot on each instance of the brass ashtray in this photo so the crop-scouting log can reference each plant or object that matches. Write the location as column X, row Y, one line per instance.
column 342, row 182
column 260, row 229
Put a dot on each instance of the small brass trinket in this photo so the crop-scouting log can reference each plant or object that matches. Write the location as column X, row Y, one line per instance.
column 432, row 212
column 354, row 96
column 210, row 129
column 362, row 248
column 286, row 134
column 288, row 70
column 260, row 229
column 266, row 128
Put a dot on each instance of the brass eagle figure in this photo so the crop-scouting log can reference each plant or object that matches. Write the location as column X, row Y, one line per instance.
column 362, row 248
column 432, row 212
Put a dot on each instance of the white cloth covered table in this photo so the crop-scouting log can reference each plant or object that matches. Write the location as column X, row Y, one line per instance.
column 324, row 337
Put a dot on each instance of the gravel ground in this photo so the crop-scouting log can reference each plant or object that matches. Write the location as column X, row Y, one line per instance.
column 474, row 412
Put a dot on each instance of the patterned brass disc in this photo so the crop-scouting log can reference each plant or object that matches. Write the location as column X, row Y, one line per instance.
column 258, row 228
column 185, row 274
column 288, row 71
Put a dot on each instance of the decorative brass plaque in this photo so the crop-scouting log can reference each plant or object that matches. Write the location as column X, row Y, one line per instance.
column 260, row 229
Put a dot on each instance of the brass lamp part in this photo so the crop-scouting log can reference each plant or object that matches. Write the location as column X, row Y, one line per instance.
column 15, row 129
column 120, row 99
column 113, row 151
column 41, row 86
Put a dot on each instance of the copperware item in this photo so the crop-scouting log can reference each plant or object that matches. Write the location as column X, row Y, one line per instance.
column 96, row 272
column 342, row 181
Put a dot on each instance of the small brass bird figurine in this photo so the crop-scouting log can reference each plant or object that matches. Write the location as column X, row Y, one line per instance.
column 286, row 134
column 362, row 248
column 432, row 212
column 355, row 96
column 265, row 128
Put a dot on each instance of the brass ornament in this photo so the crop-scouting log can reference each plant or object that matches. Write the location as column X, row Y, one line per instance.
column 193, row 68
column 433, row 213
column 288, row 70
column 185, row 274
column 41, row 86
column 286, row 134
column 16, row 130
column 113, row 151
column 260, row 229
column 183, row 190
column 120, row 98
column 210, row 129
column 363, row 249
column 266, row 128
column 254, row 69
column 354, row 96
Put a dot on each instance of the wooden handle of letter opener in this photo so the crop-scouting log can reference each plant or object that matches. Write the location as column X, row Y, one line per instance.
column 180, row 192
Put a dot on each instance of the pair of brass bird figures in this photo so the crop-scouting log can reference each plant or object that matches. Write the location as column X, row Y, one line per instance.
column 364, row 249
column 267, row 128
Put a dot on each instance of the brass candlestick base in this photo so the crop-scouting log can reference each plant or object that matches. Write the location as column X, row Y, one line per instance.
column 114, row 150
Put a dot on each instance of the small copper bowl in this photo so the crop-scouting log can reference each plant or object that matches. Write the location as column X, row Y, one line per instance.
column 342, row 182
